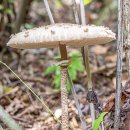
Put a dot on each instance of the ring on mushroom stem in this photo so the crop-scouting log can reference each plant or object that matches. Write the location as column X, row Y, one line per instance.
column 62, row 35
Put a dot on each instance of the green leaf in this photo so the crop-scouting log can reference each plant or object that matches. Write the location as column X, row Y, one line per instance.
column 73, row 73
column 98, row 121
column 58, row 70
column 74, row 54
column 77, row 65
column 50, row 69
column 86, row 2
column 76, row 62
column 56, row 81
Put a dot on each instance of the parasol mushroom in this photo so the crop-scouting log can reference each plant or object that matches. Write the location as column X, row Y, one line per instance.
column 62, row 35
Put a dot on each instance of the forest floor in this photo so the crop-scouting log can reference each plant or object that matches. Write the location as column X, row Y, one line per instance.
column 25, row 108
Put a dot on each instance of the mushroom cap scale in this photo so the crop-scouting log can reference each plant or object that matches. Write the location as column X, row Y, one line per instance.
column 69, row 34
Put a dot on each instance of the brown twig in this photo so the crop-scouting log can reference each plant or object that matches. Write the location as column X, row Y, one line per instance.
column 77, row 103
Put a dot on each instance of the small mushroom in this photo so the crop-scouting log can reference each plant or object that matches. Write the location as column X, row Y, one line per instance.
column 62, row 35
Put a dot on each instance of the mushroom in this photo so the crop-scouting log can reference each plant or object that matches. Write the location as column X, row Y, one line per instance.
column 62, row 35
column 69, row 34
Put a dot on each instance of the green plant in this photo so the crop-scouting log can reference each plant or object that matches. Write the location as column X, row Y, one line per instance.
column 98, row 121
column 74, row 67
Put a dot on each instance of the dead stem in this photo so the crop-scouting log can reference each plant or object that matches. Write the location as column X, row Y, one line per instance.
column 119, row 66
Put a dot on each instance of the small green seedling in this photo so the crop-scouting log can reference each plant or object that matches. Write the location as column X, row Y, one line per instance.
column 98, row 121
column 75, row 66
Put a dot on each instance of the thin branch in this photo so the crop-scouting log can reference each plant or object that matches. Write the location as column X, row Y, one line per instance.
column 6, row 118
column 119, row 66
column 75, row 12
column 77, row 102
column 49, row 11
column 85, row 54
column 82, row 12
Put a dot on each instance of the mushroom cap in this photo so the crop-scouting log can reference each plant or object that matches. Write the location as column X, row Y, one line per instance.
column 69, row 34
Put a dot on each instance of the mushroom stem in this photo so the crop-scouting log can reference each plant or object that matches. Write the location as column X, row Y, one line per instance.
column 64, row 96
column 64, row 101
column 85, row 54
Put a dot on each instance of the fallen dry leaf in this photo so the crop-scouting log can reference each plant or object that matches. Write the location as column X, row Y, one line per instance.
column 111, row 58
